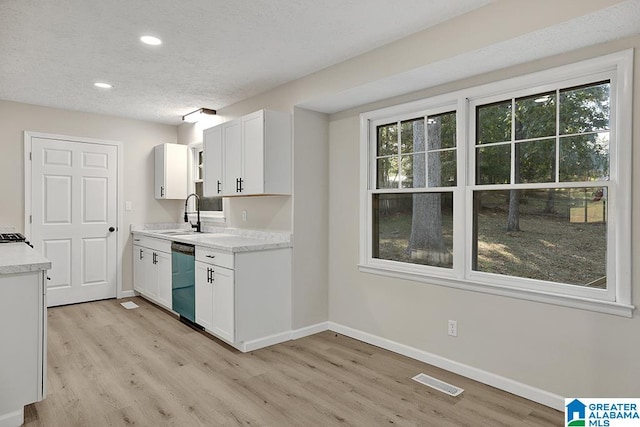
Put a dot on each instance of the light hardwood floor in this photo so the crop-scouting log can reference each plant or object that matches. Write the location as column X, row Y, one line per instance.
column 108, row 366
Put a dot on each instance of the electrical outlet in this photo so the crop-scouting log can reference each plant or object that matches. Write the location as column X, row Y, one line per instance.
column 244, row 215
column 453, row 328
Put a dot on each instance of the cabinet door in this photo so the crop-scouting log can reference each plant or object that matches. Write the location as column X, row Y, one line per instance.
column 171, row 171
column 223, row 303
column 212, row 147
column 253, row 152
column 163, row 271
column 21, row 331
column 232, row 147
column 139, row 268
column 160, row 186
column 204, row 295
column 150, row 274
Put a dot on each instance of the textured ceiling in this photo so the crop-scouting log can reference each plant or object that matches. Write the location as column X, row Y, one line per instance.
column 214, row 52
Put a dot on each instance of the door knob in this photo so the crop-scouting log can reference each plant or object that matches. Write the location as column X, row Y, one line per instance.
column 111, row 229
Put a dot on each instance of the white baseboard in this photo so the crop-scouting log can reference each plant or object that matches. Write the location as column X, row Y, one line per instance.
column 12, row 419
column 309, row 330
column 264, row 342
column 127, row 294
column 523, row 390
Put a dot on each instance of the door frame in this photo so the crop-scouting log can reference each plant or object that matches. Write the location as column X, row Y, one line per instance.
column 28, row 135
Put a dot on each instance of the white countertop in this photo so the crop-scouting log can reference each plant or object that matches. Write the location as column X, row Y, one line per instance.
column 21, row 258
column 228, row 241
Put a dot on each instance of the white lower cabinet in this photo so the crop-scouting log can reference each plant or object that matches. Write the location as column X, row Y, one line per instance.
column 23, row 352
column 215, row 300
column 152, row 269
column 244, row 298
column 163, row 279
column 139, row 276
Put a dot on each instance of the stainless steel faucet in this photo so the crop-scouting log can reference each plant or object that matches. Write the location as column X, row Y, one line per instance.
column 197, row 225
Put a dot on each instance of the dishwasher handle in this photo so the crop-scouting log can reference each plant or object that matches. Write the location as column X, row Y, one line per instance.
column 183, row 248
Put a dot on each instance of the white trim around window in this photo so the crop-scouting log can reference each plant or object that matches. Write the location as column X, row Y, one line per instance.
column 208, row 216
column 616, row 299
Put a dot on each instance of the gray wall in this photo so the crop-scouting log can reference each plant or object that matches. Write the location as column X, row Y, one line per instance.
column 310, row 218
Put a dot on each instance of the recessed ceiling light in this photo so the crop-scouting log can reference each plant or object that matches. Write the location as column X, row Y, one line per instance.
column 103, row 85
column 151, row 40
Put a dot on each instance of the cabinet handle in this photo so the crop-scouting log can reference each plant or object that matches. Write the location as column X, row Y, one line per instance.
column 136, row 240
column 161, row 191
column 155, row 258
column 140, row 253
column 210, row 256
column 240, row 179
column 219, row 183
column 237, row 185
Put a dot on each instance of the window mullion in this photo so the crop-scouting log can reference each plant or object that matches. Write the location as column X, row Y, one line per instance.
column 513, row 144
column 557, row 159
column 399, row 153
column 426, row 150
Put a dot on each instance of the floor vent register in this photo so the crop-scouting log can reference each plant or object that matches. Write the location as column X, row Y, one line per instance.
column 446, row 388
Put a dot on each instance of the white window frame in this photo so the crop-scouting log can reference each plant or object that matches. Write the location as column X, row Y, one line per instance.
column 209, row 216
column 616, row 67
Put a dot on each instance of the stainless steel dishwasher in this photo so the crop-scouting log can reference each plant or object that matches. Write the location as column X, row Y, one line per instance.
column 183, row 281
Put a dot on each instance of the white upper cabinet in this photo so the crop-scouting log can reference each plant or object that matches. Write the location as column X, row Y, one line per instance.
column 213, row 171
column 232, row 152
column 251, row 153
column 253, row 150
column 171, row 171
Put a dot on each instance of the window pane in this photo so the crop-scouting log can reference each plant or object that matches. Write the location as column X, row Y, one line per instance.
column 584, row 109
column 493, row 123
column 200, row 163
column 562, row 234
column 536, row 116
column 441, row 131
column 387, row 170
column 412, row 170
column 442, row 168
column 387, row 140
column 493, row 164
column 412, row 139
column 208, row 203
column 584, row 157
column 414, row 228
column 536, row 161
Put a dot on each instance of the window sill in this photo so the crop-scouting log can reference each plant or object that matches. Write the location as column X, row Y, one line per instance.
column 599, row 306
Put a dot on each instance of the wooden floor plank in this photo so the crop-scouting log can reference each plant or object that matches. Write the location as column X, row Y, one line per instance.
column 108, row 366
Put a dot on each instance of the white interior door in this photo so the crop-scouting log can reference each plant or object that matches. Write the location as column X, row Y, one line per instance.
column 74, row 217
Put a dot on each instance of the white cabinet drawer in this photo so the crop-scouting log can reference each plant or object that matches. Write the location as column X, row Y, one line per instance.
column 211, row 256
column 159, row 245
